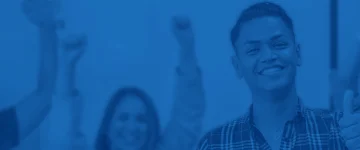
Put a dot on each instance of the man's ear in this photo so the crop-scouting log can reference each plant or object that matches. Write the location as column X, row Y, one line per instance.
column 236, row 64
column 298, row 55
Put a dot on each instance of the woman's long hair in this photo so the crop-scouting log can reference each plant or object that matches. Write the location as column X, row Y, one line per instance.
column 102, row 140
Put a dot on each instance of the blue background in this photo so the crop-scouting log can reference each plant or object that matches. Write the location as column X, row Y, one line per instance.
column 130, row 43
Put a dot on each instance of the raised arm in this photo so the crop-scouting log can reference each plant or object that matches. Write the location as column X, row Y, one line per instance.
column 184, row 128
column 33, row 108
column 26, row 115
column 73, row 48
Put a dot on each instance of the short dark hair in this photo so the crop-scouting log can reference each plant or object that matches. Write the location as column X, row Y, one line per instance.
column 258, row 10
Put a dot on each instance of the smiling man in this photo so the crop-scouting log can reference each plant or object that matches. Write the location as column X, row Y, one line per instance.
column 267, row 56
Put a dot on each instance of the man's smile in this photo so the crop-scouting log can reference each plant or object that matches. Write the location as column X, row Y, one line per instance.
column 271, row 70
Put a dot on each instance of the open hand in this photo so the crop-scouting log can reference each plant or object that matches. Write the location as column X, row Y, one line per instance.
column 74, row 47
column 350, row 122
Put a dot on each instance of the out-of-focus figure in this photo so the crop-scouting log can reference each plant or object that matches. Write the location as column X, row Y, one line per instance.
column 57, row 128
column 20, row 120
column 130, row 120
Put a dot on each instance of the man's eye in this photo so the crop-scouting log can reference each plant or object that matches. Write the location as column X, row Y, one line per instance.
column 253, row 51
column 280, row 45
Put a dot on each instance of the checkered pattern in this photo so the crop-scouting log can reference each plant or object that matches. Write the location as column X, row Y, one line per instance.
column 309, row 130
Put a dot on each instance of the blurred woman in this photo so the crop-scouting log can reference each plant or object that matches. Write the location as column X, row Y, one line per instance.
column 130, row 121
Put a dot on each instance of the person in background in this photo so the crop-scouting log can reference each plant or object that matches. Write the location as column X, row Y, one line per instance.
column 266, row 55
column 130, row 120
column 18, row 121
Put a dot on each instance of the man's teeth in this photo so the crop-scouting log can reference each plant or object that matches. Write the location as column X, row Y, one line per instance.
column 271, row 70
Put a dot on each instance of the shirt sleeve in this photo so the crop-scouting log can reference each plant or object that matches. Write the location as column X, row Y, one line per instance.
column 335, row 139
column 66, row 113
column 184, row 128
column 203, row 144
column 9, row 136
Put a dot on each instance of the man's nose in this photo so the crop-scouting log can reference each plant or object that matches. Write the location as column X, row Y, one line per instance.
column 268, row 55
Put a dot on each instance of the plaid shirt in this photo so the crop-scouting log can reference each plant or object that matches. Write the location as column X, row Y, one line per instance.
column 309, row 130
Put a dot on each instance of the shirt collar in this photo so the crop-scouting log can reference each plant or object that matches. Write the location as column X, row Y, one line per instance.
column 299, row 115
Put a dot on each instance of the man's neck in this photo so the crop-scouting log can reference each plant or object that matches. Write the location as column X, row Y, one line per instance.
column 274, row 109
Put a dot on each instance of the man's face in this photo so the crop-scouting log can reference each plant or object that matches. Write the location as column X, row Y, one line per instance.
column 266, row 54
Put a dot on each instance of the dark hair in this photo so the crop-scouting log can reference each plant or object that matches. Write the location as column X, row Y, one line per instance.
column 258, row 10
column 102, row 141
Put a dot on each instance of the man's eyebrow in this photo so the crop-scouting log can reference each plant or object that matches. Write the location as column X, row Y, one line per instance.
column 252, row 42
column 277, row 37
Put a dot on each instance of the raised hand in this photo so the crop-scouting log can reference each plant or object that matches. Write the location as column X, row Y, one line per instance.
column 182, row 29
column 350, row 122
column 183, row 32
column 184, row 128
column 74, row 47
column 42, row 13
